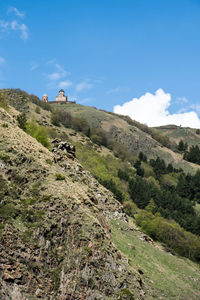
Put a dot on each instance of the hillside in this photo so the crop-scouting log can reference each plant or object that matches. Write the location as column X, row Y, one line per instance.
column 177, row 133
column 65, row 236
column 55, row 236
column 131, row 137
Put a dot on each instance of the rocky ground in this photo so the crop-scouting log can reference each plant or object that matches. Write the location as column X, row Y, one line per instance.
column 54, row 225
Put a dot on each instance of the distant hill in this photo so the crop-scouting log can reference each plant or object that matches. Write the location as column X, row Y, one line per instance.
column 131, row 137
column 177, row 133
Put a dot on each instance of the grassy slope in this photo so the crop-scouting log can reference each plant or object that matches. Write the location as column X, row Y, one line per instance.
column 180, row 133
column 167, row 276
column 133, row 138
column 164, row 274
column 60, row 216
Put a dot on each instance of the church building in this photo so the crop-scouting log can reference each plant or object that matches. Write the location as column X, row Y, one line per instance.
column 45, row 98
column 61, row 97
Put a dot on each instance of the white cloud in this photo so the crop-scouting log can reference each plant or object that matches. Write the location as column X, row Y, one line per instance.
column 21, row 27
column 65, row 84
column 83, row 86
column 60, row 73
column 24, row 31
column 14, row 26
column 2, row 60
column 16, row 11
column 153, row 111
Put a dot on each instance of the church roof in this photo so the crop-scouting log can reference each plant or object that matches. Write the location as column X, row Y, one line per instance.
column 61, row 91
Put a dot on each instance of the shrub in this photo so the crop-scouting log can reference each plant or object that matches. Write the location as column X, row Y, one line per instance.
column 130, row 208
column 37, row 110
column 112, row 186
column 22, row 121
column 59, row 176
column 170, row 233
column 123, row 175
column 40, row 133
column 7, row 211
column 182, row 147
column 96, row 139
column 125, row 294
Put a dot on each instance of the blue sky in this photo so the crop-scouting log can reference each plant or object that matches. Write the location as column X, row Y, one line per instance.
column 104, row 53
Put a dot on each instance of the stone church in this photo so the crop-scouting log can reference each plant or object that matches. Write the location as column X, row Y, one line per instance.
column 61, row 98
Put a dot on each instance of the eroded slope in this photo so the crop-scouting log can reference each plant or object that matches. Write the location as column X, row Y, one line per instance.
column 55, row 234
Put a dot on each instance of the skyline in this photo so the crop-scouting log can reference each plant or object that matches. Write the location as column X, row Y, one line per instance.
column 106, row 53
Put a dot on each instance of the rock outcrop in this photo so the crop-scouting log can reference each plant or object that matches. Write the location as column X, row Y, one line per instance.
column 54, row 225
column 63, row 148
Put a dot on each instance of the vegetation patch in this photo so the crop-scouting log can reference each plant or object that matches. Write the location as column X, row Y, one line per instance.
column 125, row 294
column 60, row 176
column 40, row 133
column 170, row 233
column 3, row 101
column 165, row 275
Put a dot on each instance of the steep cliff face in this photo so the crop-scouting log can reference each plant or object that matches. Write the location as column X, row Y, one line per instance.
column 54, row 226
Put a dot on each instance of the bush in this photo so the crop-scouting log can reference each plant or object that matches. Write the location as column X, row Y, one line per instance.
column 7, row 211
column 123, row 175
column 170, row 233
column 40, row 133
column 22, row 121
column 37, row 110
column 112, row 186
column 96, row 139
column 60, row 176
column 182, row 147
column 130, row 208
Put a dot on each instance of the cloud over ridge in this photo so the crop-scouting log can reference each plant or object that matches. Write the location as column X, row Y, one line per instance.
column 152, row 109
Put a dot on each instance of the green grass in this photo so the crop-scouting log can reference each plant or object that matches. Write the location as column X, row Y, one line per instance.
column 186, row 134
column 166, row 276
column 105, row 167
column 93, row 116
